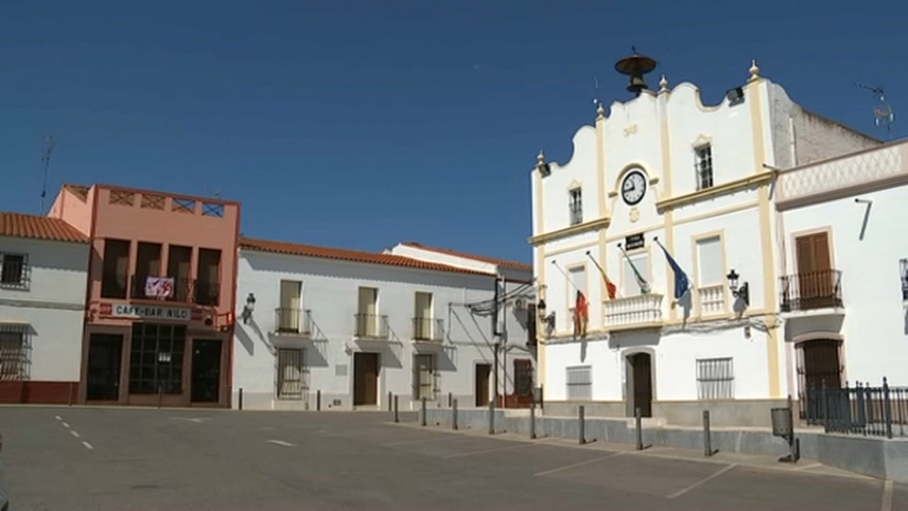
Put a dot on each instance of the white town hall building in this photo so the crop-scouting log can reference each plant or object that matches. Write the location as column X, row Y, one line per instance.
column 664, row 177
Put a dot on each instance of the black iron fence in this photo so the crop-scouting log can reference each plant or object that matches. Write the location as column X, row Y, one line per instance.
column 293, row 321
column 811, row 290
column 428, row 329
column 859, row 410
column 371, row 326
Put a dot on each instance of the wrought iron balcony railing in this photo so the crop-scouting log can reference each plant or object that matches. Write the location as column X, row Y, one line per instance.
column 428, row 330
column 371, row 326
column 811, row 291
column 293, row 321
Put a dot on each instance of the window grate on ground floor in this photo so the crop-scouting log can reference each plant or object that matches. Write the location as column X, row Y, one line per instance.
column 292, row 374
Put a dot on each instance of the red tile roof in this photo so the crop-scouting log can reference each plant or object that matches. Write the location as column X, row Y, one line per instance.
column 280, row 247
column 484, row 259
column 39, row 227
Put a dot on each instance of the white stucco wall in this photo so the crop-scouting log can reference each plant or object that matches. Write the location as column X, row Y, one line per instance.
column 330, row 291
column 875, row 325
column 52, row 306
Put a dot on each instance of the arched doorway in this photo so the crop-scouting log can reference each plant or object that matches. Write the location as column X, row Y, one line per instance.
column 639, row 384
column 819, row 365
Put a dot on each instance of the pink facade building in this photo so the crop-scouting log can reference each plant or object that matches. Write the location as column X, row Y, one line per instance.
column 161, row 295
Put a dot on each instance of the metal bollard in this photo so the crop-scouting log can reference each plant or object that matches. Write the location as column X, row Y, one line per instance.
column 638, row 415
column 707, row 441
column 70, row 397
column 454, row 416
column 318, row 400
column 240, row 398
column 492, row 417
column 160, row 394
column 390, row 397
column 396, row 415
column 533, row 420
column 581, row 425
column 422, row 412
column 450, row 399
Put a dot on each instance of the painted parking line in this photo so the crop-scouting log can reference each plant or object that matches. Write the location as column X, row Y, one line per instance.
column 65, row 425
column 886, row 504
column 74, row 433
column 281, row 442
column 58, row 417
column 701, row 481
column 87, row 445
column 484, row 451
column 427, row 440
column 577, row 465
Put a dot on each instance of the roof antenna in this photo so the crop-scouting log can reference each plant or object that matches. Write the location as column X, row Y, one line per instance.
column 882, row 113
column 48, row 147
column 596, row 100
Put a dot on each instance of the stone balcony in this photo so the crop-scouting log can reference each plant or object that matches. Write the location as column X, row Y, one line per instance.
column 632, row 312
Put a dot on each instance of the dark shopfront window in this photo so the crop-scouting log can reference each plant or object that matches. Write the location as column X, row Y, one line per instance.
column 156, row 358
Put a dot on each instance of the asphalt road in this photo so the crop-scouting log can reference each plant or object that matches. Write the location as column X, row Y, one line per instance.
column 76, row 459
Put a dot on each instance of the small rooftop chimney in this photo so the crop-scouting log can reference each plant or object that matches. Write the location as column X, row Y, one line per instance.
column 636, row 66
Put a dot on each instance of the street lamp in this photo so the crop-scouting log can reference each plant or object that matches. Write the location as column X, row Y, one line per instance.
column 248, row 308
column 742, row 292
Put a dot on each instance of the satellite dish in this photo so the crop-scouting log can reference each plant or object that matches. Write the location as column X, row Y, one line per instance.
column 882, row 112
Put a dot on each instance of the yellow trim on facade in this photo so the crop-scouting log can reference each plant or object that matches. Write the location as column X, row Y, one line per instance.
column 668, row 215
column 760, row 179
column 601, row 223
column 572, row 248
column 695, row 257
column 602, row 177
column 540, row 276
column 766, row 244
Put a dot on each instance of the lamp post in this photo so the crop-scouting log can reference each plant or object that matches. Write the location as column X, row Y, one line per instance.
column 248, row 308
column 741, row 292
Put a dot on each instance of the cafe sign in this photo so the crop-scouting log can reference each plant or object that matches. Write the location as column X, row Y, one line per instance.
column 145, row 312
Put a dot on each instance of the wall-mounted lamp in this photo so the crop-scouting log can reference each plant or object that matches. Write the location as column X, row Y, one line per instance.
column 742, row 292
column 248, row 308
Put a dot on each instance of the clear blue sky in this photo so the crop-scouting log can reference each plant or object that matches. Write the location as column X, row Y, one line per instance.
column 360, row 124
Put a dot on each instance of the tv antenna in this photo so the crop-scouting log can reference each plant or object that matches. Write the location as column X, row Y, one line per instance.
column 596, row 101
column 48, row 148
column 882, row 113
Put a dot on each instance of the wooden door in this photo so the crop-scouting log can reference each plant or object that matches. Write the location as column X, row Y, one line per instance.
column 641, row 381
column 365, row 379
column 481, row 391
column 815, row 275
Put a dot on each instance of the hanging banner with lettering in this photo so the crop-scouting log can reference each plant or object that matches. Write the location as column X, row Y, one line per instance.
column 158, row 287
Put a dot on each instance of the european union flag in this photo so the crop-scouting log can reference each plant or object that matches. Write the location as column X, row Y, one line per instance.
column 682, row 283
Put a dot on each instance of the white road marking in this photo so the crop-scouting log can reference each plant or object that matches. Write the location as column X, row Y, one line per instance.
column 87, row 445
column 408, row 442
column 577, row 465
column 65, row 424
column 887, row 497
column 484, row 451
column 808, row 467
column 74, row 433
column 701, row 481
column 198, row 420
column 280, row 442
column 58, row 417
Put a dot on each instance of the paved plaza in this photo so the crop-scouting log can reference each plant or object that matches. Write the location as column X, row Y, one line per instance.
column 78, row 459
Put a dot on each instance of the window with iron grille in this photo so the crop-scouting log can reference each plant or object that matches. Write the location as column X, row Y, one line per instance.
column 291, row 380
column 903, row 274
column 715, row 378
column 576, row 206
column 424, row 376
column 523, row 377
column 704, row 164
column 12, row 356
column 13, row 270
column 579, row 383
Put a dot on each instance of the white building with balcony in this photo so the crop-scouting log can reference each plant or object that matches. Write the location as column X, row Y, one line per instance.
column 844, row 264
column 324, row 328
column 663, row 175
column 43, row 278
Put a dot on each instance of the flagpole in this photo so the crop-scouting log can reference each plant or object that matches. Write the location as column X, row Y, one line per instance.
column 641, row 282
column 566, row 276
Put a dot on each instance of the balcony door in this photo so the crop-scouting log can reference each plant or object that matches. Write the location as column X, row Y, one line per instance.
column 816, row 280
column 368, row 312
column 423, row 314
column 291, row 305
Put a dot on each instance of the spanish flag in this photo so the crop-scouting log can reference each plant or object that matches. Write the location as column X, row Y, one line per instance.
column 581, row 315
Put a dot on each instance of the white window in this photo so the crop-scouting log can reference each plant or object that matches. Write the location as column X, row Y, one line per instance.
column 710, row 275
column 368, row 323
column 579, row 383
column 641, row 263
column 12, row 356
column 715, row 378
column 290, row 315
column 422, row 317
column 291, row 373
column 13, row 269
column 576, row 206
column 704, row 166
column 424, row 374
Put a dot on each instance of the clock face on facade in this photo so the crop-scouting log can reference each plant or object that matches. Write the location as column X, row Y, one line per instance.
column 633, row 188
